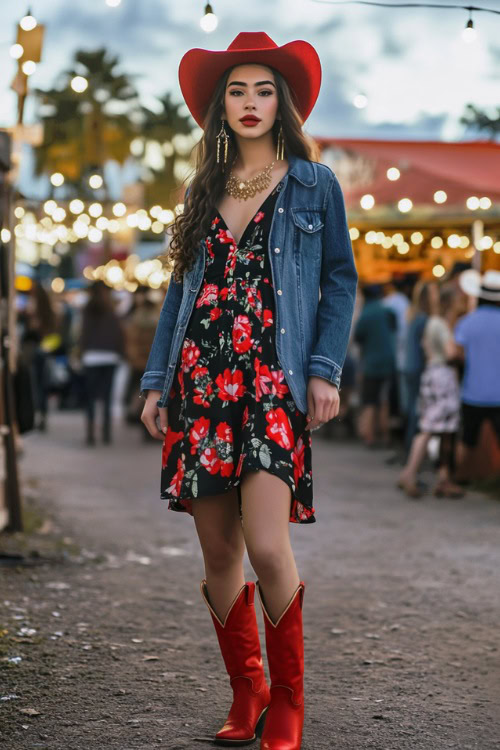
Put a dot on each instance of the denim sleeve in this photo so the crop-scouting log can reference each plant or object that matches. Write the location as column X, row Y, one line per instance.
column 156, row 367
column 338, row 291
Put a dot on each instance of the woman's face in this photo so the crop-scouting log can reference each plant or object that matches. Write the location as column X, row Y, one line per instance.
column 250, row 93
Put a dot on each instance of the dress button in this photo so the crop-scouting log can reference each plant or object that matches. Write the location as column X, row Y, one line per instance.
column 280, row 292
column 276, row 250
column 280, row 210
column 310, row 226
column 290, row 372
column 282, row 330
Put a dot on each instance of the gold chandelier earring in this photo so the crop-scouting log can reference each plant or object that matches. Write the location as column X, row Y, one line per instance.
column 222, row 137
column 280, row 149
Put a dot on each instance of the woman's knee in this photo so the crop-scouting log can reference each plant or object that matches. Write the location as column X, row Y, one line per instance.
column 220, row 553
column 267, row 559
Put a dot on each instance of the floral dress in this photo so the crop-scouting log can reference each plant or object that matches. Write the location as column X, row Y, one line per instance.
column 230, row 408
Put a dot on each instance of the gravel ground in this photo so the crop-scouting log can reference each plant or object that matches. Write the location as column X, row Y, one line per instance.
column 105, row 642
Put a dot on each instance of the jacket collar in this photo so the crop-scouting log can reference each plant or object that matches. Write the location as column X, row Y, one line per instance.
column 303, row 170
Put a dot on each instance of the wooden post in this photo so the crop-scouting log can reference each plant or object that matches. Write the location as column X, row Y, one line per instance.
column 10, row 503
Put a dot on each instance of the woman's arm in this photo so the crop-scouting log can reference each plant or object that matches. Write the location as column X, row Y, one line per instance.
column 338, row 291
column 156, row 367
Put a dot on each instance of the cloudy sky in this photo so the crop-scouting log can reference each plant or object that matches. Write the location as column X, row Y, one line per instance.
column 412, row 64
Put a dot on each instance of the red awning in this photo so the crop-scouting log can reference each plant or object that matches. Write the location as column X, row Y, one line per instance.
column 462, row 170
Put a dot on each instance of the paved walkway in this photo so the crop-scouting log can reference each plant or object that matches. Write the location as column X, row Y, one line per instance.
column 117, row 650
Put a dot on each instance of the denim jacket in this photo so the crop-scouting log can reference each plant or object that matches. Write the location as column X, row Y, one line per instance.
column 314, row 281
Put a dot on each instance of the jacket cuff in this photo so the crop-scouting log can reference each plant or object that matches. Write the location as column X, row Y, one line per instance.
column 322, row 367
column 152, row 381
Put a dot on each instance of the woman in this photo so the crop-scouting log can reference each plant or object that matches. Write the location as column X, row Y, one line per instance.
column 438, row 404
column 102, row 347
column 248, row 358
column 425, row 299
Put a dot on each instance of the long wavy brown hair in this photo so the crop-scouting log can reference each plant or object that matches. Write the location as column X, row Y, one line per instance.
column 209, row 180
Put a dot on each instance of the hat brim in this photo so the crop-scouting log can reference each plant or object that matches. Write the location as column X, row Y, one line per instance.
column 470, row 283
column 297, row 61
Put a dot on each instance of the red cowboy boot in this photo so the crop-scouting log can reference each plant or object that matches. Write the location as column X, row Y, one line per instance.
column 285, row 655
column 240, row 647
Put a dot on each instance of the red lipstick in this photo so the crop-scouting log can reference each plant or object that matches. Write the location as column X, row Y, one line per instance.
column 250, row 120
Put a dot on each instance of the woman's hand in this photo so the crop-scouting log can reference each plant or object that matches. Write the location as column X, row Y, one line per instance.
column 151, row 412
column 323, row 402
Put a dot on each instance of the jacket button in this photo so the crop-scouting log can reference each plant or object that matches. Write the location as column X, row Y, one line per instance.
column 280, row 210
column 282, row 330
column 290, row 372
column 276, row 250
column 280, row 292
column 310, row 226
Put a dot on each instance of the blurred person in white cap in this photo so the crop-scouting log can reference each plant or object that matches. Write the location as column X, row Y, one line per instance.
column 477, row 337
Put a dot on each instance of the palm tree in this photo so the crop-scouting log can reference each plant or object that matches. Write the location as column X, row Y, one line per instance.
column 82, row 131
column 167, row 138
column 479, row 120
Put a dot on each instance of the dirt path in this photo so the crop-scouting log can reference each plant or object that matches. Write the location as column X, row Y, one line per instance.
column 110, row 644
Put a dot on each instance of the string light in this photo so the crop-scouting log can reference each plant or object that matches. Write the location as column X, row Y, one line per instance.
column 209, row 20
column 28, row 23
column 469, row 34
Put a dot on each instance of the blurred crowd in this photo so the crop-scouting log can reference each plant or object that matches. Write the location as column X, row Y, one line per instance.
column 422, row 374
column 420, row 377
column 74, row 345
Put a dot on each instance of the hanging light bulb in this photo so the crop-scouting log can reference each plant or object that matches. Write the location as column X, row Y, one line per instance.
column 28, row 22
column 209, row 20
column 469, row 34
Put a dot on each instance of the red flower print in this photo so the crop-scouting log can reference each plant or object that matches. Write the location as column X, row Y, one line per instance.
column 215, row 313
column 198, row 371
column 258, row 217
column 224, row 432
column 215, row 221
column 190, row 354
column 208, row 295
column 242, row 334
column 175, row 487
column 268, row 318
column 300, row 512
column 208, row 243
column 230, row 384
column 261, row 380
column 225, row 237
column 279, row 428
column 240, row 464
column 230, row 260
column 199, row 397
column 198, row 431
column 279, row 387
column 210, row 460
column 180, row 378
column 254, row 298
column 226, row 468
column 245, row 417
column 170, row 439
column 298, row 460
column 224, row 292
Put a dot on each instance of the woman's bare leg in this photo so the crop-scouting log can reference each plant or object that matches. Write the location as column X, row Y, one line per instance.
column 218, row 524
column 265, row 504
column 417, row 455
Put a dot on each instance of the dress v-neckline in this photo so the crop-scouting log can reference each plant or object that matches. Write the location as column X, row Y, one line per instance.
column 237, row 242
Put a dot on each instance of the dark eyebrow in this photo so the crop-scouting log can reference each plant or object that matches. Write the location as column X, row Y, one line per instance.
column 241, row 83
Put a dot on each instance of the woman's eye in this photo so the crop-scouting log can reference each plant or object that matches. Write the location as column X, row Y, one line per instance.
column 266, row 92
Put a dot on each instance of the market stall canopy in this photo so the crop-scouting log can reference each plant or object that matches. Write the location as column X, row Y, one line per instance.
column 461, row 170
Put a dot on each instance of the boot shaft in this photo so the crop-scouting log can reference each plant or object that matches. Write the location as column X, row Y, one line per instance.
column 238, row 636
column 285, row 645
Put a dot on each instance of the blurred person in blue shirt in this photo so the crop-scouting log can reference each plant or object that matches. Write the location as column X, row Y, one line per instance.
column 477, row 337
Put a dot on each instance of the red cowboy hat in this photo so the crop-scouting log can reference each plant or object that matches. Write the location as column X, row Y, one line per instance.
column 298, row 62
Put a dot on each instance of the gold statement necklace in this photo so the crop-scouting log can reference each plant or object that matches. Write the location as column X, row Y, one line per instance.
column 242, row 190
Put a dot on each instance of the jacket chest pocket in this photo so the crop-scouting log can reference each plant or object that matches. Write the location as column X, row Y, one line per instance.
column 308, row 223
